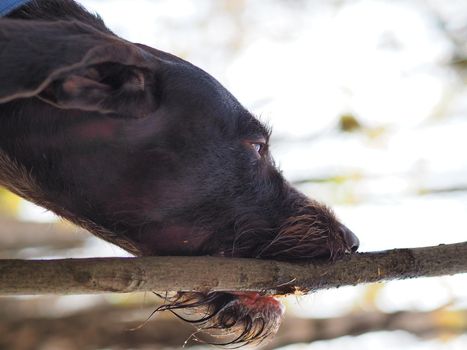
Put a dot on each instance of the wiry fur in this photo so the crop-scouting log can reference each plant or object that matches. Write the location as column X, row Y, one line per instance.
column 238, row 321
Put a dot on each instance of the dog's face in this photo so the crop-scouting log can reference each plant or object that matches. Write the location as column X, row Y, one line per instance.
column 205, row 178
column 154, row 155
column 154, row 150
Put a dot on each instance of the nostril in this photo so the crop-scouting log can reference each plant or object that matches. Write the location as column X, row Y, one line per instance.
column 351, row 239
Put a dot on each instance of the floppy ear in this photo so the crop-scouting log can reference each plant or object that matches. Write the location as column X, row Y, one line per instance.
column 73, row 65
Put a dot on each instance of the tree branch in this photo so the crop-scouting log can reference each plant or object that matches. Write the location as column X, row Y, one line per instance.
column 98, row 275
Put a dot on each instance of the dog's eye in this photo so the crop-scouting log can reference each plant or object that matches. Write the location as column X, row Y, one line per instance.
column 259, row 147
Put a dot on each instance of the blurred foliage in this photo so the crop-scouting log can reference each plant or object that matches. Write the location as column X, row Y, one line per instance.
column 349, row 123
column 9, row 203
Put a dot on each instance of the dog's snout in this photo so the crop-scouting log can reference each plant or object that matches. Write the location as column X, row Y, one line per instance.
column 350, row 239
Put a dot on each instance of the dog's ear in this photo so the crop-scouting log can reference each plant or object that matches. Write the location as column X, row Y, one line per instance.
column 72, row 65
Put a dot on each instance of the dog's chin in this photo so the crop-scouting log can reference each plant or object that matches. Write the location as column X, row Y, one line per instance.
column 230, row 318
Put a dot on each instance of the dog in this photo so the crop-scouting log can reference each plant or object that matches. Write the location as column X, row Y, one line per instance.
column 150, row 153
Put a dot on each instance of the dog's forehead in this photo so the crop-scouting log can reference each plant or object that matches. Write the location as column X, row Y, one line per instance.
column 191, row 80
column 183, row 81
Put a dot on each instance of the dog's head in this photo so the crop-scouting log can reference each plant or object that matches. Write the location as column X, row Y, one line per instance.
column 153, row 154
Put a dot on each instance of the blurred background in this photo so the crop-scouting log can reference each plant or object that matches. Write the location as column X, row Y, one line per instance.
column 368, row 104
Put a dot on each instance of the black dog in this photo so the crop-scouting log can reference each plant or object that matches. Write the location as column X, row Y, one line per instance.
column 150, row 153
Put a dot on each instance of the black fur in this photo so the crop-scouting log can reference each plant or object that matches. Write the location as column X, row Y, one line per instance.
column 150, row 153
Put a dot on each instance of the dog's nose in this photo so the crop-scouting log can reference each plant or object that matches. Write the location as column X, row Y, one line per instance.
column 350, row 239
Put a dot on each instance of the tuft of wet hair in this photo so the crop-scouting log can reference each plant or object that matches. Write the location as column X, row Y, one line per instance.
column 230, row 319
column 312, row 233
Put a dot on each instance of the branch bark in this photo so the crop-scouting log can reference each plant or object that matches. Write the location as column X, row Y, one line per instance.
column 124, row 275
